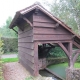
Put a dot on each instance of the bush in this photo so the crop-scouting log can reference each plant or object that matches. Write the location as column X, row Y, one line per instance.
column 10, row 44
column 1, row 63
column 57, row 52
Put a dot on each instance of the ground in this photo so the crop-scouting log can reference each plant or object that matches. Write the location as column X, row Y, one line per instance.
column 15, row 71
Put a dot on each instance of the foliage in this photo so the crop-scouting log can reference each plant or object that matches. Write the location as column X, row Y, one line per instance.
column 68, row 11
column 1, row 62
column 5, row 60
column 78, row 59
column 57, row 52
column 5, row 31
column 10, row 44
column 11, row 53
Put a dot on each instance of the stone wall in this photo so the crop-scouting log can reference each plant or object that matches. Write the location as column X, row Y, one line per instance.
column 56, row 60
column 72, row 74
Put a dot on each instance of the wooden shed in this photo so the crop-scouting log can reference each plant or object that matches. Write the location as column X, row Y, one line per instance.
column 39, row 31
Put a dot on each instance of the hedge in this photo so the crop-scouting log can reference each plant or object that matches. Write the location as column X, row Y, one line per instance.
column 57, row 52
column 10, row 44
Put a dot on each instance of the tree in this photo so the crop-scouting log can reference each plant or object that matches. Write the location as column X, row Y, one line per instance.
column 68, row 11
column 5, row 31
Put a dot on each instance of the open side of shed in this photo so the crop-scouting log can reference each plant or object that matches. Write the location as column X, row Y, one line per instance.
column 39, row 27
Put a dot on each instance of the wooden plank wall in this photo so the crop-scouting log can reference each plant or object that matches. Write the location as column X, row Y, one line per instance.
column 43, row 29
column 26, row 48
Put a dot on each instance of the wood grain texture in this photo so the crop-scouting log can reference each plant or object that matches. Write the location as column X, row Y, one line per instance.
column 26, row 45
column 30, row 64
column 26, row 28
column 43, row 24
column 43, row 30
column 26, row 50
column 76, row 44
column 42, row 18
column 27, row 67
column 27, row 56
column 51, row 37
column 26, row 39
column 26, row 34
column 36, row 60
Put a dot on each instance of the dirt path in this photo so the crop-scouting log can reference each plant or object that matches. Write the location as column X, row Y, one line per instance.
column 15, row 71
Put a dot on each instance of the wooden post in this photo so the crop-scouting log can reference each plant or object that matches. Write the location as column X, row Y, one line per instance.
column 36, row 69
column 70, row 55
column 68, row 50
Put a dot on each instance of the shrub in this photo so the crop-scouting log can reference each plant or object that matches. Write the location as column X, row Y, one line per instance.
column 10, row 44
column 1, row 63
column 57, row 52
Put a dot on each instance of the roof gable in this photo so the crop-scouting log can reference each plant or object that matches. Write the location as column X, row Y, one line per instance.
column 41, row 8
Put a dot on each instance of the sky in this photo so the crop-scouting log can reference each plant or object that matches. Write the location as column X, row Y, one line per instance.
column 9, row 7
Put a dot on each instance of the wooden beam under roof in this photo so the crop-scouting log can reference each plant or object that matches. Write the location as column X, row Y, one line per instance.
column 15, row 31
column 76, row 44
column 28, row 21
column 64, row 48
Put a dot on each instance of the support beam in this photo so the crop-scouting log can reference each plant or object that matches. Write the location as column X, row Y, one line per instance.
column 70, row 48
column 36, row 68
column 74, row 51
column 28, row 21
column 15, row 31
column 76, row 44
column 77, row 52
column 75, row 57
column 70, row 55
column 63, row 47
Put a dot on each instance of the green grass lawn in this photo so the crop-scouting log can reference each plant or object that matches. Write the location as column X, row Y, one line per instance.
column 10, row 60
column 60, row 69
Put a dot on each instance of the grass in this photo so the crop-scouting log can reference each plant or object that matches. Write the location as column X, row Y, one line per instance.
column 10, row 60
column 77, row 65
column 29, row 78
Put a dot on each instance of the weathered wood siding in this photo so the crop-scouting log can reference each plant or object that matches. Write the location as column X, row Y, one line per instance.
column 26, row 47
column 29, row 37
column 43, row 29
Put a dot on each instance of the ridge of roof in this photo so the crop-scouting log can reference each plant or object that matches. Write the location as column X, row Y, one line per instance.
column 25, row 9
